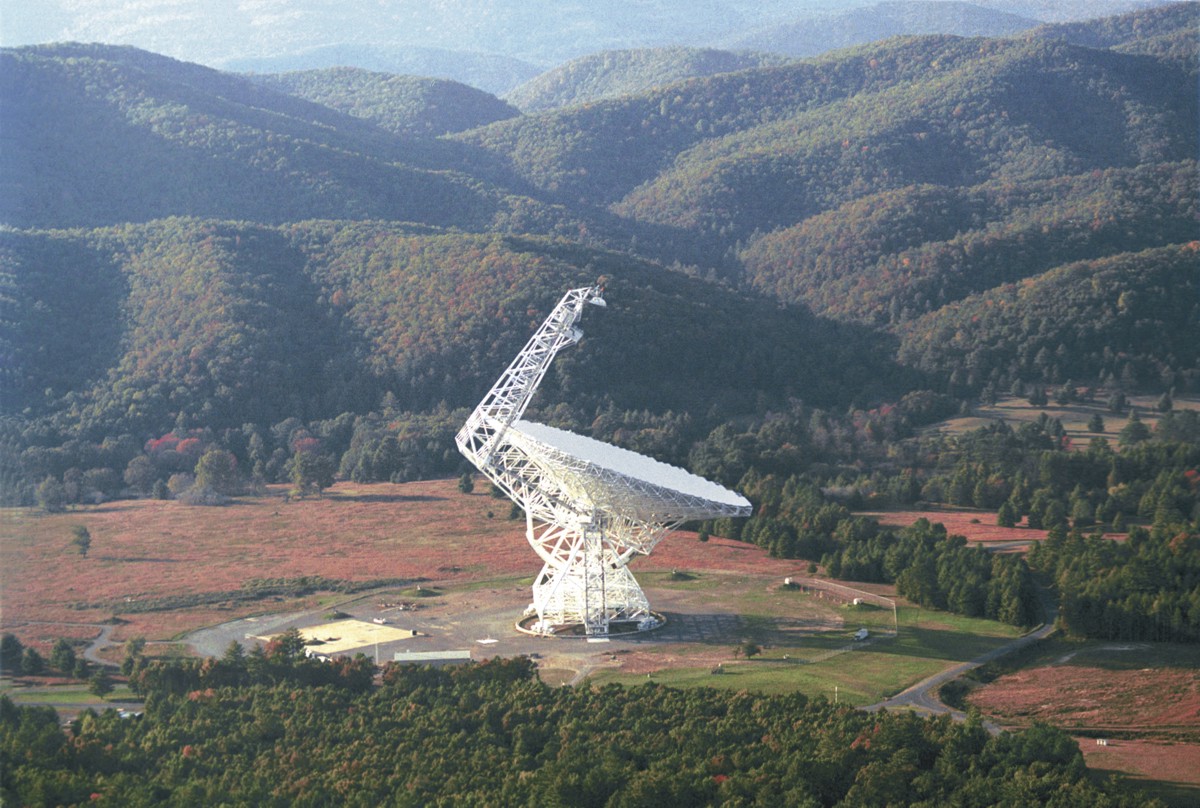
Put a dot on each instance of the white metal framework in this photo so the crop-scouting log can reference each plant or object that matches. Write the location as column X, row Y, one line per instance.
column 589, row 507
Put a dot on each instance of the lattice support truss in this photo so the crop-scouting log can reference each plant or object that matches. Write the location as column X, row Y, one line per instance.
column 585, row 520
column 509, row 396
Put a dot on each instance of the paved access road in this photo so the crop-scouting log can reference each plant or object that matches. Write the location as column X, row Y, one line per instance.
column 922, row 696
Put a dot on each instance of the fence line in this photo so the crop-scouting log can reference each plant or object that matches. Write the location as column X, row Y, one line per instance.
column 844, row 593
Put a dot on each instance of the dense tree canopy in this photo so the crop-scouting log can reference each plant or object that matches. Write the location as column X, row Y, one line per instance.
column 267, row 729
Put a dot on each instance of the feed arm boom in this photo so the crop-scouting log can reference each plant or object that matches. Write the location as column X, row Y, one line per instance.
column 481, row 435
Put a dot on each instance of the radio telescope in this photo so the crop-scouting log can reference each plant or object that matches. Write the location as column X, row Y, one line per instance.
column 589, row 507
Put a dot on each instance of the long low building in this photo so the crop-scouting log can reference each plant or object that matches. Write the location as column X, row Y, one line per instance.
column 436, row 658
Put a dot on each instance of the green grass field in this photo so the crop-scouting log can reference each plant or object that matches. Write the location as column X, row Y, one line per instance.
column 830, row 662
column 67, row 694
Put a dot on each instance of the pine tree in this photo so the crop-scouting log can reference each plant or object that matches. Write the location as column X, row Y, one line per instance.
column 1008, row 516
column 62, row 657
column 81, row 538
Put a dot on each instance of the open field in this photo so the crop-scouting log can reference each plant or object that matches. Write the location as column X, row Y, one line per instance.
column 147, row 550
column 716, row 594
column 476, row 571
column 1104, row 688
column 1143, row 699
column 979, row 526
column 68, row 694
column 1163, row 769
column 1074, row 417
column 808, row 645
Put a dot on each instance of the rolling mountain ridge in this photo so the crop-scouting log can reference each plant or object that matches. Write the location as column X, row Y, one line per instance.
column 850, row 207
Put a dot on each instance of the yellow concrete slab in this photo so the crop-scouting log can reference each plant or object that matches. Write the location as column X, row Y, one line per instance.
column 348, row 635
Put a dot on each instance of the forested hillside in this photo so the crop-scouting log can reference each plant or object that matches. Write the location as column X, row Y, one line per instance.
column 895, row 255
column 490, row 72
column 1128, row 321
column 1167, row 31
column 403, row 105
column 747, row 152
column 220, row 324
column 617, row 73
column 795, row 250
column 962, row 123
column 99, row 135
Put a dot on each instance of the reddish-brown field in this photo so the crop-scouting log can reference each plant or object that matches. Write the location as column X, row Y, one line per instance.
column 1169, row 771
column 1143, row 699
column 1093, row 698
column 148, row 549
column 977, row 525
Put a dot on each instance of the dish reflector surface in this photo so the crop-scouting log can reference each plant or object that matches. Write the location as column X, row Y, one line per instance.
column 629, row 464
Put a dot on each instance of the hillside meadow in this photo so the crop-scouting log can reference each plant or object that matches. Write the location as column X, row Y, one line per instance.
column 146, row 551
column 1014, row 410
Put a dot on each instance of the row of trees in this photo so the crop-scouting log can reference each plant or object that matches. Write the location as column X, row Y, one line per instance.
column 17, row 659
column 271, row 731
column 794, row 519
column 1028, row 474
column 932, row 568
column 1145, row 588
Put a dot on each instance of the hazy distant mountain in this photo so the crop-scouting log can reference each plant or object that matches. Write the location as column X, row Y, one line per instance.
column 490, row 72
column 1067, row 10
column 406, row 105
column 278, row 35
column 546, row 32
column 616, row 73
column 814, row 35
column 1167, row 31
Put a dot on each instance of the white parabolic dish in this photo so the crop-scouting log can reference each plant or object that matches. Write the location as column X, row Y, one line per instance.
column 609, row 476
column 589, row 507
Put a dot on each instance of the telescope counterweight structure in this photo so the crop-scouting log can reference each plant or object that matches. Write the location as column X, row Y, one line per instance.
column 589, row 507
